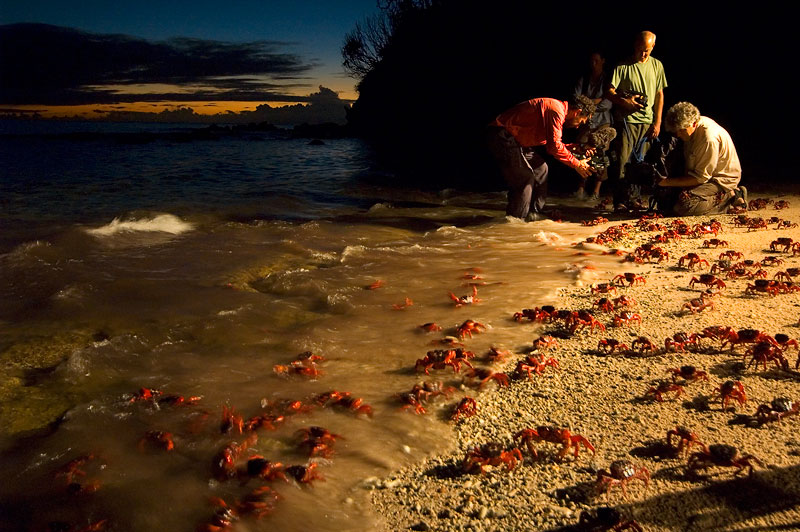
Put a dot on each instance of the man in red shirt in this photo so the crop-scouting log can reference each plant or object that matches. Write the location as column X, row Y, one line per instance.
column 514, row 134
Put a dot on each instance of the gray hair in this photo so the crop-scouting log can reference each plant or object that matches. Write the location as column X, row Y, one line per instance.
column 681, row 115
column 586, row 105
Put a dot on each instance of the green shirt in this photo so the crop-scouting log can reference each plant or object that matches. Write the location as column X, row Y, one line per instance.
column 647, row 77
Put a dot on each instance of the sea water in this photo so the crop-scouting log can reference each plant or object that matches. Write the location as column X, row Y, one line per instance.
column 196, row 267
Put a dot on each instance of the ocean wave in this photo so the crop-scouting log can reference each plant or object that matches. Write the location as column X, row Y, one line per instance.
column 161, row 223
column 548, row 237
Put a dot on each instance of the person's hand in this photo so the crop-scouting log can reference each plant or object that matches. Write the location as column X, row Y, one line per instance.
column 583, row 169
column 589, row 152
column 653, row 131
column 632, row 104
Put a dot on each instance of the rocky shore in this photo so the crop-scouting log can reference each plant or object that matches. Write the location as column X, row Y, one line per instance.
column 604, row 397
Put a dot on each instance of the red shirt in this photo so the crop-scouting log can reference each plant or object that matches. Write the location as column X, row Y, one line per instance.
column 539, row 122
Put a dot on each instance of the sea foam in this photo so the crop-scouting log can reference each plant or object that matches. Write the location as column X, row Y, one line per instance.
column 162, row 223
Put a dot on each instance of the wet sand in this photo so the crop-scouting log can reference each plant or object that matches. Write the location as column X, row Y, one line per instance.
column 604, row 398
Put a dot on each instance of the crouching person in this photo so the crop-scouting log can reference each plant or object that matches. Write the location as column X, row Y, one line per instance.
column 713, row 172
column 514, row 134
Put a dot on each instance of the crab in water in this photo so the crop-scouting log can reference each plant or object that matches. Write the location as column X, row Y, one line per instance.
column 490, row 454
column 686, row 438
column 664, row 387
column 442, row 358
column 688, row 373
column 157, row 439
column 259, row 467
column 467, row 407
column 223, row 465
column 486, row 375
column 430, row 327
column 304, row 474
column 619, row 473
column 779, row 408
column 467, row 299
column 721, row 455
column 317, row 441
column 731, row 390
column 470, row 327
column 565, row 438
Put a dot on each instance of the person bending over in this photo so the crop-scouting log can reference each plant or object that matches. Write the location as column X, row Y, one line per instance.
column 712, row 165
column 515, row 133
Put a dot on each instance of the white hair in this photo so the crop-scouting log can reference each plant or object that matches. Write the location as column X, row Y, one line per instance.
column 681, row 115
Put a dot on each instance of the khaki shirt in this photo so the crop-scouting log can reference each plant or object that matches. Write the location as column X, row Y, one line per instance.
column 711, row 156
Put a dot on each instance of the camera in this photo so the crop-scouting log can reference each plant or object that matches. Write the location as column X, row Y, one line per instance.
column 639, row 97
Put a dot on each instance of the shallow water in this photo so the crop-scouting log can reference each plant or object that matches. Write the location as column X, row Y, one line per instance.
column 194, row 269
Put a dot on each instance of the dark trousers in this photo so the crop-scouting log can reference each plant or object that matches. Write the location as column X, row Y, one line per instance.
column 524, row 171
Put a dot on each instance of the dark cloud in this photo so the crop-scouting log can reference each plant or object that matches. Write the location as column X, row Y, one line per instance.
column 52, row 65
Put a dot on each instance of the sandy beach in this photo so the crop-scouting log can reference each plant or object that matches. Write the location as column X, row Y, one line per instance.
column 604, row 397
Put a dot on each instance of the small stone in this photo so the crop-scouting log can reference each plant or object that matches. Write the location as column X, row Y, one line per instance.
column 406, row 449
column 348, row 500
column 422, row 526
column 391, row 483
column 444, row 514
column 483, row 512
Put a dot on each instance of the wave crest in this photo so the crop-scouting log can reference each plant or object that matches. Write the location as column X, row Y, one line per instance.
column 161, row 223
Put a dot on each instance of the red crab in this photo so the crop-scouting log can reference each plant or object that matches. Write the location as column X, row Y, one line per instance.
column 583, row 318
column 642, row 344
column 708, row 280
column 535, row 314
column 486, row 375
column 781, row 204
column 231, row 420
column 496, row 355
column 716, row 332
column 545, row 342
column 442, row 358
column 223, row 465
column 609, row 345
column 490, row 454
column 604, row 304
column 664, row 387
column 565, row 438
column 686, row 438
column 763, row 286
column 317, row 441
column 532, row 364
column 304, row 474
column 603, row 288
column 721, row 455
column 310, row 371
column 699, row 304
column 466, row 300
column 626, row 317
column 619, row 474
column 779, row 408
column 679, row 341
column 688, row 373
column 731, row 390
column 783, row 242
column 157, row 439
column 746, row 336
column 75, row 468
column 407, row 302
column 469, row 327
column 629, row 277
column 731, row 255
column 467, row 407
column 430, row 327
column 692, row 260
column 624, row 301
column 715, row 242
column 764, row 352
column 259, row 467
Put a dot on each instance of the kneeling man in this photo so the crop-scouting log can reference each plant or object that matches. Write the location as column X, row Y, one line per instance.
column 713, row 171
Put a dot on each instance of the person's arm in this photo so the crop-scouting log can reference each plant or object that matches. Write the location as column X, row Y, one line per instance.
column 629, row 105
column 554, row 125
column 704, row 158
column 658, row 107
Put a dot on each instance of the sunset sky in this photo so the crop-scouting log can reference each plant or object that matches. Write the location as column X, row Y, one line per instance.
column 149, row 56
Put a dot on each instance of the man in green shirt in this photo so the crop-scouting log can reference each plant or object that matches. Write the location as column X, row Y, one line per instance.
column 637, row 92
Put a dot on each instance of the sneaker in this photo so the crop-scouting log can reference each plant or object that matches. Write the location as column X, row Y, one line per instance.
column 593, row 198
column 535, row 217
column 580, row 194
